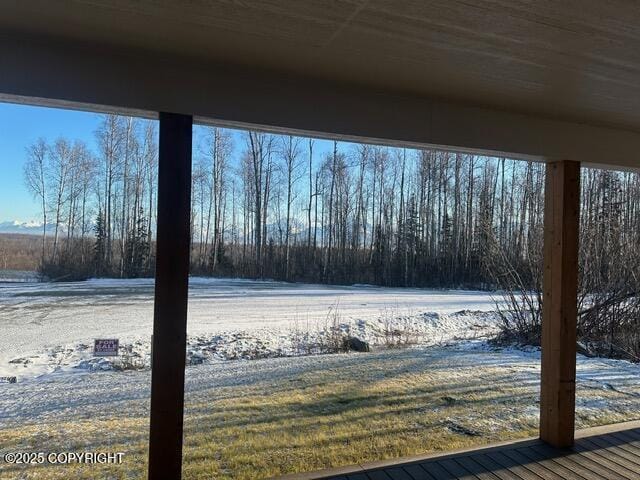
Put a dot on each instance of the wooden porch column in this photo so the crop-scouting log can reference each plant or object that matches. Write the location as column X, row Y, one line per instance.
column 559, row 311
column 170, row 307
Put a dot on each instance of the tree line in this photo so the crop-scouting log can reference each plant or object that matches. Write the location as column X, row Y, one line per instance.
column 97, row 204
column 282, row 207
column 360, row 214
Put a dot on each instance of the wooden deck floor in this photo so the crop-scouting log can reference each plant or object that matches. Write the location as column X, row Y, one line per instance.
column 609, row 453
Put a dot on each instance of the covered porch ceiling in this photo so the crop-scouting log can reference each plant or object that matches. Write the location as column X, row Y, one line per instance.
column 533, row 79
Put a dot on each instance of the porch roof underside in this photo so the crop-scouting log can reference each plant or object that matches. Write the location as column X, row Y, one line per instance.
column 543, row 80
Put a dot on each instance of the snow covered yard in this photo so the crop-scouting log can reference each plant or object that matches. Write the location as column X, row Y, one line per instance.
column 50, row 327
column 275, row 409
column 252, row 419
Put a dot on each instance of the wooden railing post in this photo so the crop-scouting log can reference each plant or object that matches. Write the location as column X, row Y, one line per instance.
column 559, row 311
column 171, row 290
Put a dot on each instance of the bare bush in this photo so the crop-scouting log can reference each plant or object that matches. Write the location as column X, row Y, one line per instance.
column 609, row 278
column 395, row 335
column 334, row 332
column 325, row 336
column 521, row 307
column 128, row 361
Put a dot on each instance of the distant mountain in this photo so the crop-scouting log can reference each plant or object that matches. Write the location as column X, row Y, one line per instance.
column 26, row 228
column 276, row 231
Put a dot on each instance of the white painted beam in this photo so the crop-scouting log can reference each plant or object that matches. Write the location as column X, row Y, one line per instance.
column 54, row 72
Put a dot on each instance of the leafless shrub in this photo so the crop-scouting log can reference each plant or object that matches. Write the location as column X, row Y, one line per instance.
column 128, row 362
column 334, row 332
column 395, row 335
column 300, row 338
column 324, row 336
column 608, row 292
column 521, row 307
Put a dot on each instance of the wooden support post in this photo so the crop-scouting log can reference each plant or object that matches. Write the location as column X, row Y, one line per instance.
column 559, row 310
column 170, row 307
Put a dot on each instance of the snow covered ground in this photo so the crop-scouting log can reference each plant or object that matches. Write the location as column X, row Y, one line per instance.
column 447, row 388
column 48, row 331
column 50, row 328
column 15, row 276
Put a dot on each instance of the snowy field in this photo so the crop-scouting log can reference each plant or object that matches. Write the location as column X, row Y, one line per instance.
column 50, row 327
column 251, row 375
column 15, row 276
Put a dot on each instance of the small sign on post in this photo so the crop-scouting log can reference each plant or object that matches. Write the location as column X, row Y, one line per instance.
column 105, row 347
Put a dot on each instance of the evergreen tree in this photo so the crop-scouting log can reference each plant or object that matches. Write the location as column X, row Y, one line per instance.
column 99, row 249
column 137, row 248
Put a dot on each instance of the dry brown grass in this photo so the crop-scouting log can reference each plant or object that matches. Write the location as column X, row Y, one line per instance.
column 20, row 252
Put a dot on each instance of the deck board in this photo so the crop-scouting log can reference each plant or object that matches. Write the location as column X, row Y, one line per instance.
column 536, row 468
column 573, row 462
column 609, row 460
column 438, row 471
column 417, row 472
column 379, row 475
column 614, row 449
column 472, row 466
column 492, row 466
column 398, row 473
column 549, row 464
column 628, row 447
column 356, row 476
column 610, row 453
column 515, row 467
column 456, row 470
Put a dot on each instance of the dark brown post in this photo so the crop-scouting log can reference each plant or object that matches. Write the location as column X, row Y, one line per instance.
column 172, row 286
column 560, row 311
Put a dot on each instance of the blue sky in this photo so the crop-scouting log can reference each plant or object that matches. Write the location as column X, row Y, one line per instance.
column 20, row 125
